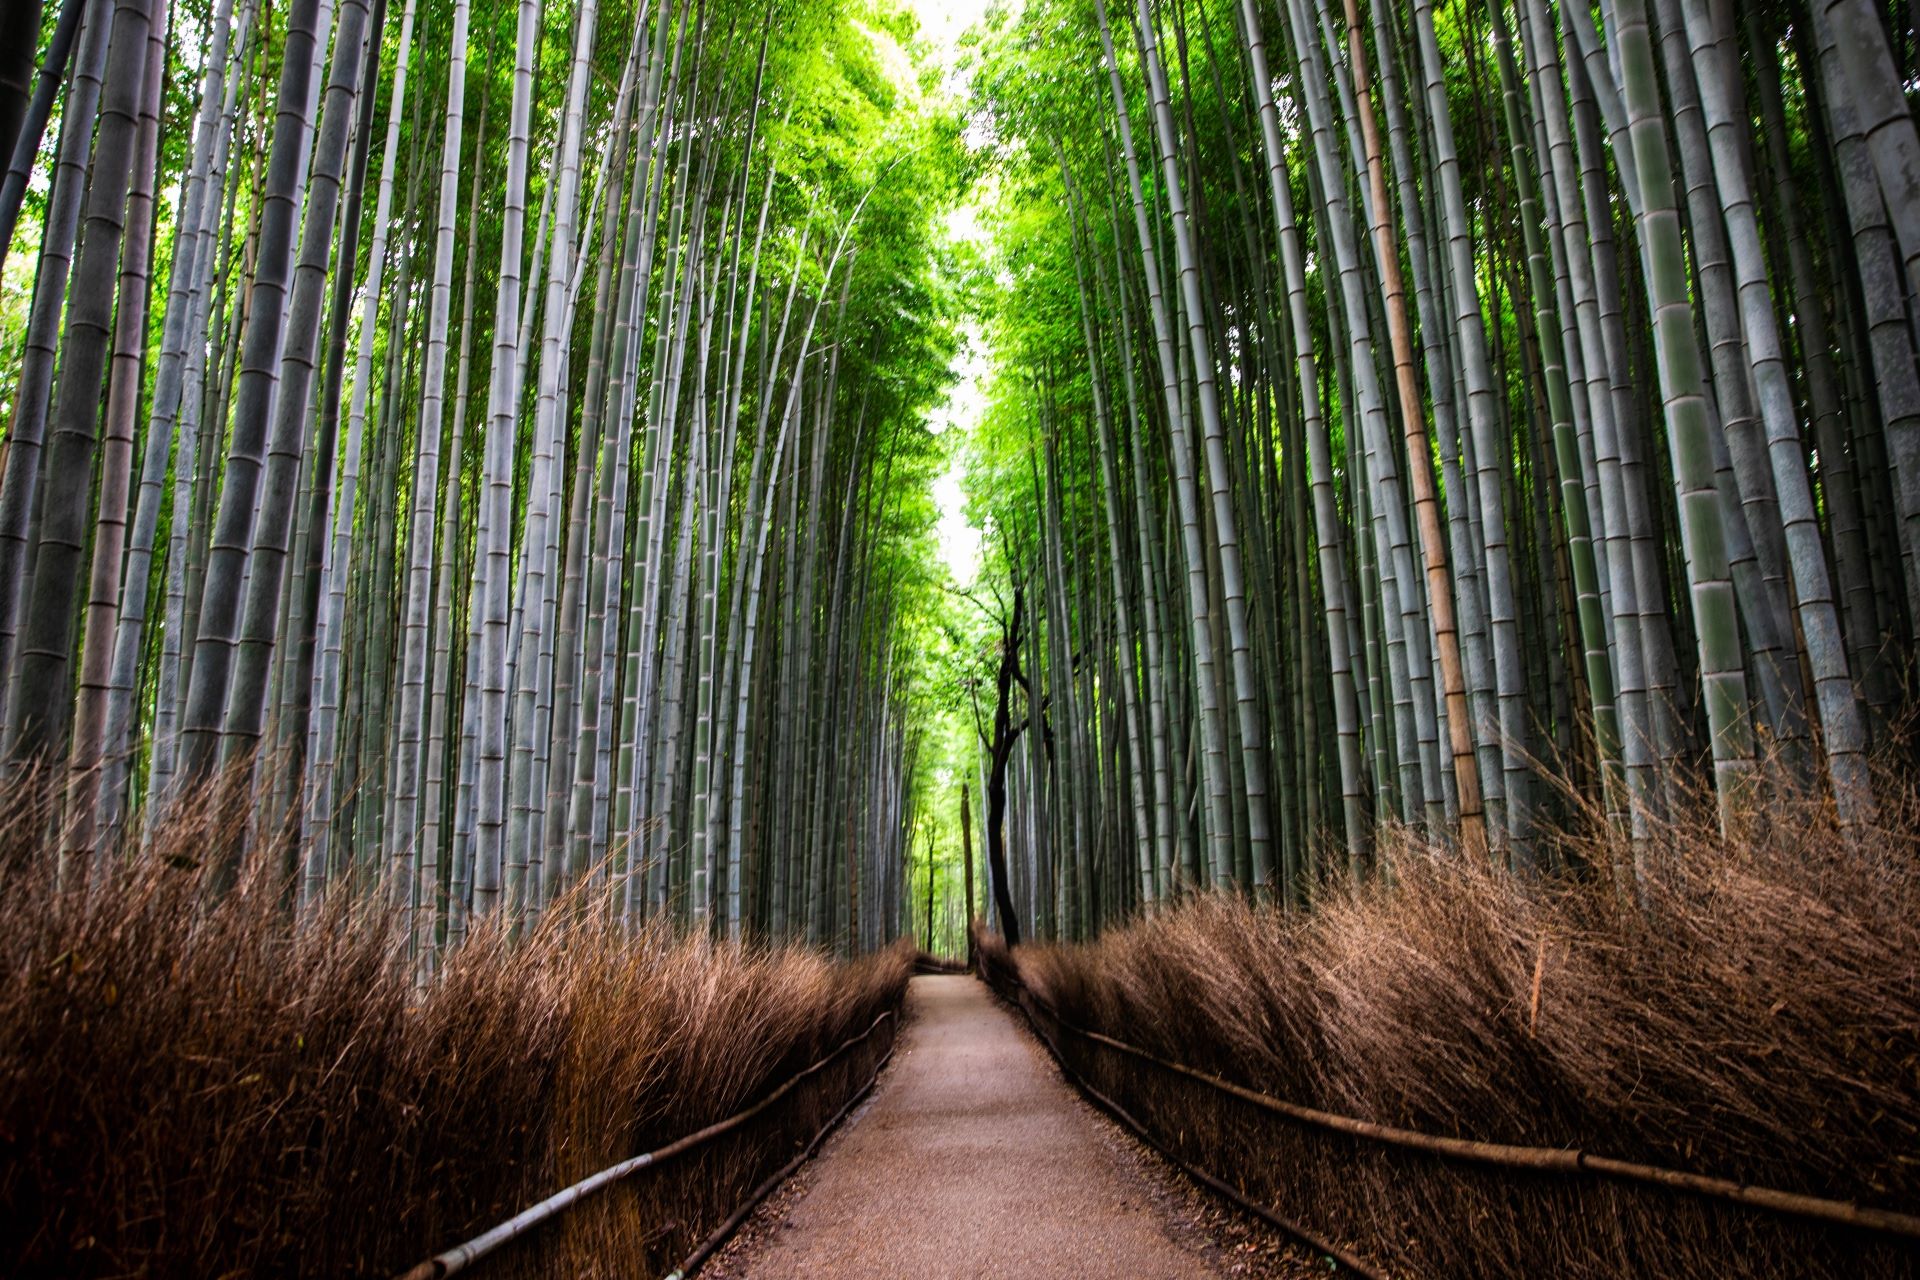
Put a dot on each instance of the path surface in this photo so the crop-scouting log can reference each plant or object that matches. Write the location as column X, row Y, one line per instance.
column 974, row 1159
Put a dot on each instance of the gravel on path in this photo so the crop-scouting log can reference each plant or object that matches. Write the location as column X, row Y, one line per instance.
column 975, row 1159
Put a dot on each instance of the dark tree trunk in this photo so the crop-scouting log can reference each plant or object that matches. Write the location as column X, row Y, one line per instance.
column 930, row 950
column 21, row 134
column 1005, row 734
column 966, row 851
column 19, row 38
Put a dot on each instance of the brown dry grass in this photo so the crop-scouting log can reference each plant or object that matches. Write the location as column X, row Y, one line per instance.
column 1754, row 1015
column 194, row 1090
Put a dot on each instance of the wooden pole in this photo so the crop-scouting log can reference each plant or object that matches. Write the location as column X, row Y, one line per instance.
column 966, row 850
column 930, row 839
column 853, row 892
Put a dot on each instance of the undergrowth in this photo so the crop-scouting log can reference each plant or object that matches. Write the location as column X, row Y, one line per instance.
column 1751, row 1014
column 211, row 1090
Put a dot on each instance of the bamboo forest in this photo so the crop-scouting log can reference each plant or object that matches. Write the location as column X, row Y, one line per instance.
column 1339, row 579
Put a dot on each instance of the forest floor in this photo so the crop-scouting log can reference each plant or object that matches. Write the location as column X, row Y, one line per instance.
column 975, row 1158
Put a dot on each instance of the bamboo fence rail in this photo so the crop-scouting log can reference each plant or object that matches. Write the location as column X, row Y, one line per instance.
column 461, row 1256
column 1550, row 1160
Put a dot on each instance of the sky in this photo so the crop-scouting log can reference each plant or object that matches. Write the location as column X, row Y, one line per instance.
column 943, row 22
column 959, row 540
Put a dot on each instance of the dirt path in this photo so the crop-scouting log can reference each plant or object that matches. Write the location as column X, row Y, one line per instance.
column 974, row 1159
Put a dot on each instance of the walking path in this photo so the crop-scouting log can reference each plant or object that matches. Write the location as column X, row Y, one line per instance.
column 974, row 1159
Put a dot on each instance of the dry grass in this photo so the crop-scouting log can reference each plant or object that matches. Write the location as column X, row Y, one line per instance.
column 1754, row 1015
column 189, row 1090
